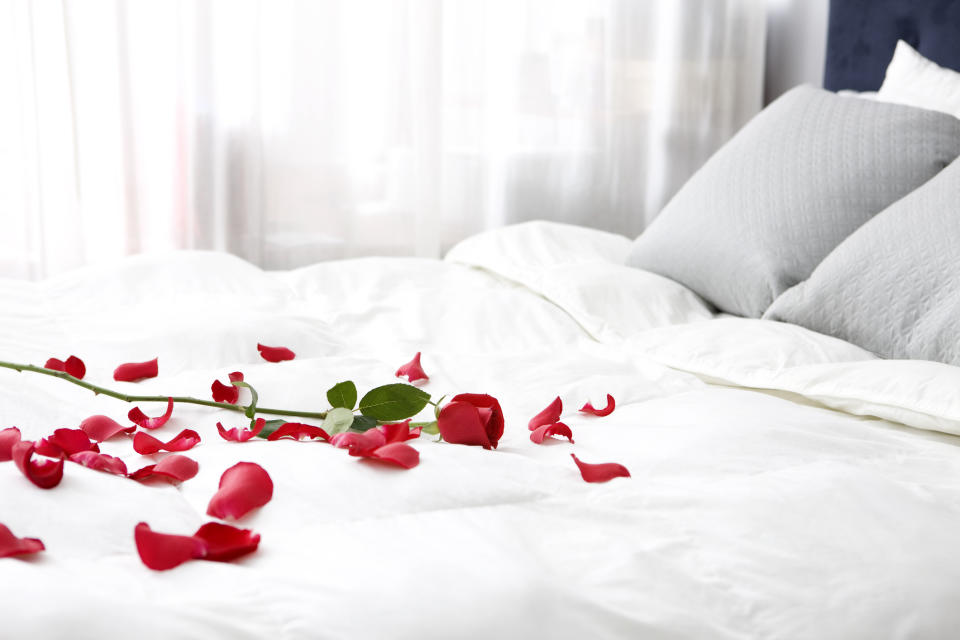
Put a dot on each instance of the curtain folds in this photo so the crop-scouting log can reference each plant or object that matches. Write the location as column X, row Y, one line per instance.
column 291, row 132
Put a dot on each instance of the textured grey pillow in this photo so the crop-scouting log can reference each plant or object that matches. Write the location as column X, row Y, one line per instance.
column 788, row 188
column 893, row 286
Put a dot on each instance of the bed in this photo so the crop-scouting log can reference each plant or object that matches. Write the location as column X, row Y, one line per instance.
column 784, row 483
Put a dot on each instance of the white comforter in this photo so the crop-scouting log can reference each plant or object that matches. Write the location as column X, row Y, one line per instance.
column 750, row 514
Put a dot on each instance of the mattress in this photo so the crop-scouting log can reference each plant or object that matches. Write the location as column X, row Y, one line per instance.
column 783, row 484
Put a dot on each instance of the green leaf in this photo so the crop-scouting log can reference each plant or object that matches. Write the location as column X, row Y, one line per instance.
column 393, row 402
column 362, row 423
column 343, row 394
column 428, row 427
column 251, row 409
column 269, row 427
column 338, row 420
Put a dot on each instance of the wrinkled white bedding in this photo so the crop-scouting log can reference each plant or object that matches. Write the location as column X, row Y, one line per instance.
column 750, row 514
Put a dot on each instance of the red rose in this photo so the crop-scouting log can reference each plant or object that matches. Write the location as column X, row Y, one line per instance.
column 472, row 418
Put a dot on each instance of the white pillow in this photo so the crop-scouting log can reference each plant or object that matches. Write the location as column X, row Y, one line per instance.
column 918, row 82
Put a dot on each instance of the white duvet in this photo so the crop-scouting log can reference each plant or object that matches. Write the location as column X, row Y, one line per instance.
column 777, row 490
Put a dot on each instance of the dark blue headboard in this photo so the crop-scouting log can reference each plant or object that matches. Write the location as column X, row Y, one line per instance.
column 863, row 34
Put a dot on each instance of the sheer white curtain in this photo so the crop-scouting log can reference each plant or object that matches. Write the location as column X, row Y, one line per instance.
column 290, row 132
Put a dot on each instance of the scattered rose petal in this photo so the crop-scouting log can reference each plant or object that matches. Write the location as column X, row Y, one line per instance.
column 162, row 551
column 244, row 486
column 241, row 434
column 101, row 428
column 145, row 444
column 299, row 431
column 100, row 462
column 64, row 443
column 213, row 541
column 600, row 472
column 227, row 392
column 359, row 444
column 46, row 473
column 11, row 545
column 611, row 405
column 174, row 467
column 556, row 429
column 135, row 371
column 412, row 370
column 550, row 415
column 472, row 419
column 398, row 453
column 399, row 431
column 139, row 418
column 275, row 354
column 8, row 437
column 225, row 543
column 73, row 366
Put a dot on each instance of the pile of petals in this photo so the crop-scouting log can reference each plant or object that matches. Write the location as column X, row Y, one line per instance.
column 385, row 443
column 11, row 545
column 71, row 366
column 213, row 541
column 547, row 423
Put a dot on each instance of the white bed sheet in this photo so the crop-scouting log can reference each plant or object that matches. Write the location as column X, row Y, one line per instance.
column 750, row 514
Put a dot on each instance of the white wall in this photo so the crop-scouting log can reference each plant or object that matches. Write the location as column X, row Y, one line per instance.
column 796, row 44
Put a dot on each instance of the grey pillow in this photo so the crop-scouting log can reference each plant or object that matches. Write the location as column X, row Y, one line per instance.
column 892, row 287
column 781, row 194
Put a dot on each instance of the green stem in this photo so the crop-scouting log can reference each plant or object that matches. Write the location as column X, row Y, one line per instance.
column 319, row 415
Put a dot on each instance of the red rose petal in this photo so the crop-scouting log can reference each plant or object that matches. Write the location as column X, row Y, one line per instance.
column 225, row 543
column 412, row 370
column 399, row 431
column 45, row 473
column 299, row 431
column 73, row 366
column 162, row 551
column 240, row 434
column 145, row 444
column 100, row 462
column 134, row 371
column 101, row 428
column 398, row 453
column 244, row 486
column 275, row 354
column 556, row 429
column 460, row 423
column 227, row 392
column 550, row 415
column 611, row 405
column 139, row 418
column 600, row 472
column 11, row 545
column 359, row 444
column 64, row 443
column 174, row 467
column 8, row 437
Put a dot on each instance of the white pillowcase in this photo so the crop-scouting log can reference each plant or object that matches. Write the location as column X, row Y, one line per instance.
column 918, row 82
